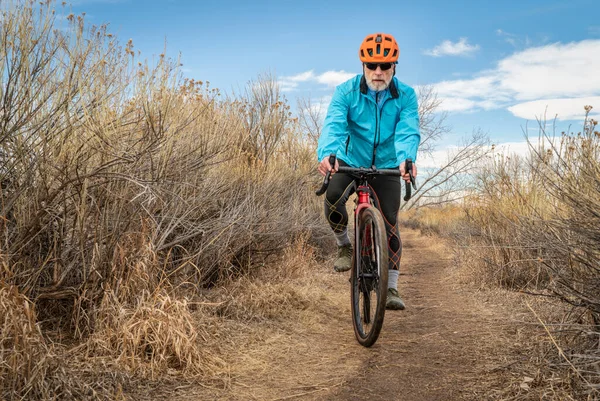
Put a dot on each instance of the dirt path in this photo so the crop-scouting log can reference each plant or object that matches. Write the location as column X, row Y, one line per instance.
column 433, row 350
column 451, row 343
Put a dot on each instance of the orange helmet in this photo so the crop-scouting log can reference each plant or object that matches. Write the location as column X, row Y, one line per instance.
column 379, row 48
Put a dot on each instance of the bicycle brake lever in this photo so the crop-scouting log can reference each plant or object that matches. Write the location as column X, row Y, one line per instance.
column 323, row 188
column 413, row 181
column 407, row 185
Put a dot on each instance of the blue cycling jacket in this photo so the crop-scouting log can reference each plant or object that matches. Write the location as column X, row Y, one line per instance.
column 363, row 133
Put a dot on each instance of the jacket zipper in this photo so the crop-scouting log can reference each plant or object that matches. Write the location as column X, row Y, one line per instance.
column 377, row 137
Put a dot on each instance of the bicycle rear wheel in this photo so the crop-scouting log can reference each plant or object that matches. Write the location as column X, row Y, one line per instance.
column 369, row 276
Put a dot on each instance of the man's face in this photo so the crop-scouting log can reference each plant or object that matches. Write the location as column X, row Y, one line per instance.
column 378, row 79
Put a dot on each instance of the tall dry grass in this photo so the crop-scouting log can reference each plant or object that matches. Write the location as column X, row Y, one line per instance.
column 444, row 220
column 535, row 227
column 125, row 186
column 25, row 357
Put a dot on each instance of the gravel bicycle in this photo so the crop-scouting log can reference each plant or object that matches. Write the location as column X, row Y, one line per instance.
column 369, row 273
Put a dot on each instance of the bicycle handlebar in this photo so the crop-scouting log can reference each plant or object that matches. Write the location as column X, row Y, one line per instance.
column 368, row 172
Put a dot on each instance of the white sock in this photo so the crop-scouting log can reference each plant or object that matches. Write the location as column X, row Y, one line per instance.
column 342, row 238
column 393, row 279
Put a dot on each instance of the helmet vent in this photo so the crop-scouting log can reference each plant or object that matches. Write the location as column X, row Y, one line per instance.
column 378, row 48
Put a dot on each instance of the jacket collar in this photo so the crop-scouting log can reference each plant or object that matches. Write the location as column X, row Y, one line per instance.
column 364, row 89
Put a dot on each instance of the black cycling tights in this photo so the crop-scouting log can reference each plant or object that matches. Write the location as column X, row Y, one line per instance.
column 386, row 191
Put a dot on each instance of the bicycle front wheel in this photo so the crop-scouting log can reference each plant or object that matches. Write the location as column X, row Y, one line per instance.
column 369, row 276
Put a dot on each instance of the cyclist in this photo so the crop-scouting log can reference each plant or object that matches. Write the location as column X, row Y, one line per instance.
column 372, row 120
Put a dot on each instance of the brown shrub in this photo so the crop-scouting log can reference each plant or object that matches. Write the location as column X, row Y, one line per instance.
column 25, row 357
column 151, row 337
column 124, row 184
column 536, row 228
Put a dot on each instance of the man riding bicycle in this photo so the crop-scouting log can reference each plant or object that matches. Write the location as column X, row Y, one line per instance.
column 372, row 120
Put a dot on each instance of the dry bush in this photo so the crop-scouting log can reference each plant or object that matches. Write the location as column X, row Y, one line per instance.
column 123, row 183
column 571, row 176
column 504, row 219
column 151, row 337
column 535, row 227
column 25, row 357
column 139, row 325
column 445, row 220
column 271, row 295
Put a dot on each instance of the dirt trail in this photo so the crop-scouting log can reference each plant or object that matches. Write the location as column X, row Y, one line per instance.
column 433, row 350
column 451, row 343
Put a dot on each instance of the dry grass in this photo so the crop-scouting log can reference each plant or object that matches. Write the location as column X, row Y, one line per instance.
column 444, row 220
column 156, row 335
column 264, row 322
column 126, row 190
column 271, row 294
column 25, row 356
column 534, row 228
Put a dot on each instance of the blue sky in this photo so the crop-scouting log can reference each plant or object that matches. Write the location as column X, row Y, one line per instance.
column 497, row 65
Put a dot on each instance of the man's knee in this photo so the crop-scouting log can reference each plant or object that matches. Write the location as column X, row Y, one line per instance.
column 333, row 195
column 338, row 219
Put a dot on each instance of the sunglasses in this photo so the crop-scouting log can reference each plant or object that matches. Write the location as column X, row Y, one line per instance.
column 383, row 66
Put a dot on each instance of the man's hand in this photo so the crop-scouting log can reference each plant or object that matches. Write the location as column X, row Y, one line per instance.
column 325, row 166
column 404, row 173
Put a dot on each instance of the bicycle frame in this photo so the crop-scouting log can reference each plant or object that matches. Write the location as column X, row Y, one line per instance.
column 363, row 201
column 364, row 198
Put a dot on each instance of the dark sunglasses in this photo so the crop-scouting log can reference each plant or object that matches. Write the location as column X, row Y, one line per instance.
column 383, row 66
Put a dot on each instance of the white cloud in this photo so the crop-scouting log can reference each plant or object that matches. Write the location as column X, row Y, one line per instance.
column 302, row 77
column 440, row 158
column 472, row 94
column 287, row 86
column 550, row 73
column 478, row 87
column 329, row 78
column 508, row 37
column 447, row 48
column 515, row 40
column 565, row 70
column 562, row 109
column 290, row 83
column 456, row 104
column 334, row 78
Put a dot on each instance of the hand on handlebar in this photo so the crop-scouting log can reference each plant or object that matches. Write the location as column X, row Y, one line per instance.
column 325, row 166
column 405, row 174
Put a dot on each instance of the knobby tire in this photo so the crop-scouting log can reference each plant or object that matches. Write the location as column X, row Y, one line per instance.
column 369, row 277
